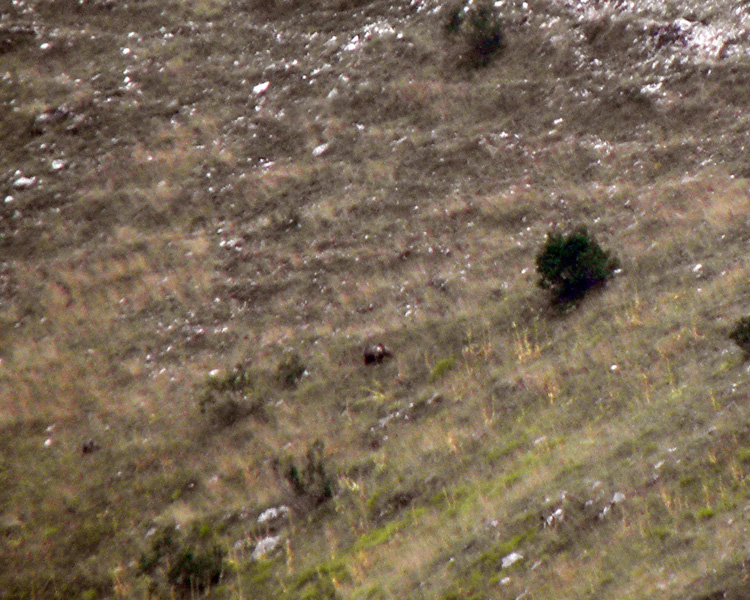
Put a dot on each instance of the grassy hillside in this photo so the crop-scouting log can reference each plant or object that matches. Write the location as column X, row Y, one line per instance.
column 207, row 208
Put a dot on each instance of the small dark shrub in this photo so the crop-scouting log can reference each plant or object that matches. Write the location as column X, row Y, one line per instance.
column 227, row 398
column 454, row 18
column 290, row 370
column 480, row 29
column 740, row 335
column 222, row 411
column 311, row 482
column 570, row 265
column 235, row 379
column 285, row 221
column 185, row 563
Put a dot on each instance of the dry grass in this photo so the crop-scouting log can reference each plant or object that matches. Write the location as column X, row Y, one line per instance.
column 373, row 191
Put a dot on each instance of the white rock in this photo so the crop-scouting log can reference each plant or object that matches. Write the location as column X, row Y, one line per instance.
column 261, row 88
column 618, row 497
column 271, row 514
column 320, row 150
column 511, row 559
column 265, row 546
column 23, row 183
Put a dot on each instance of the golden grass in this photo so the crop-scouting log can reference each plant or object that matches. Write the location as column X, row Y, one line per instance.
column 417, row 227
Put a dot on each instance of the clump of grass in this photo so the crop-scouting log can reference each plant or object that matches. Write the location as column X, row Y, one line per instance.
column 571, row 264
column 183, row 564
column 312, row 482
column 319, row 582
column 236, row 379
column 740, row 335
column 227, row 398
column 290, row 370
column 442, row 367
column 480, row 30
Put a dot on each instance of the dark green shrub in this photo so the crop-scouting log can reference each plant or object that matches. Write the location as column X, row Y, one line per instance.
column 480, row 29
column 571, row 264
column 183, row 563
column 236, row 379
column 740, row 335
column 454, row 18
column 227, row 398
column 222, row 411
column 311, row 482
column 290, row 370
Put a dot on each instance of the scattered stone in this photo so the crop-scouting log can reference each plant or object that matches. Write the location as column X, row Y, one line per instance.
column 78, row 122
column 270, row 515
column 24, row 183
column 319, row 150
column 375, row 354
column 265, row 546
column 58, row 165
column 261, row 88
column 511, row 559
column 12, row 36
column 554, row 518
column 51, row 116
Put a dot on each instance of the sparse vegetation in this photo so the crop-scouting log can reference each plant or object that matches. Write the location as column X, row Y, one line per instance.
column 229, row 397
column 312, row 482
column 740, row 334
column 290, row 369
column 187, row 564
column 194, row 185
column 477, row 26
column 442, row 367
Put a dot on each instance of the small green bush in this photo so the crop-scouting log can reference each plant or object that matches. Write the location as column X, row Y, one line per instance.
column 236, row 379
column 222, row 411
column 319, row 582
column 571, row 264
column 740, row 335
column 290, row 370
column 227, row 398
column 480, row 29
column 311, row 482
column 442, row 367
column 454, row 18
column 183, row 563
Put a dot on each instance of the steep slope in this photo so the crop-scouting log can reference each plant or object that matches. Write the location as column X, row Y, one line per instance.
column 209, row 207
